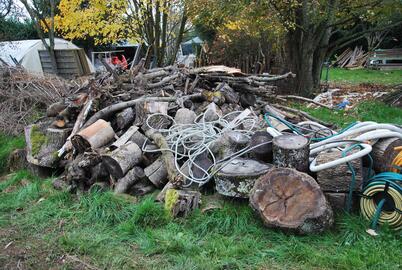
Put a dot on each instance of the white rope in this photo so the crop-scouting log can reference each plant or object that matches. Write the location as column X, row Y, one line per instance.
column 188, row 142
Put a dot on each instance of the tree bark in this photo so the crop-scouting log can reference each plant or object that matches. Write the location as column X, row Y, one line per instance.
column 290, row 200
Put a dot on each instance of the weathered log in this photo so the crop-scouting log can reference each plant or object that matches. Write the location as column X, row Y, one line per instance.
column 287, row 199
column 262, row 152
column 106, row 112
column 157, row 173
column 230, row 95
column 180, row 203
column 229, row 143
column 54, row 109
column 42, row 144
column 96, row 135
column 383, row 153
column 131, row 177
column 338, row 178
column 120, row 161
column 67, row 146
column 125, row 138
column 125, row 118
column 292, row 151
column 185, row 116
column 306, row 100
column 338, row 201
column 173, row 175
column 238, row 177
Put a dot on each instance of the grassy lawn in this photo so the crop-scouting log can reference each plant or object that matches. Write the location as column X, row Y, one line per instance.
column 357, row 76
column 59, row 230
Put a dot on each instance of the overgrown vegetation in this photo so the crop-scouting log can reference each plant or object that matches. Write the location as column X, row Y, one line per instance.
column 118, row 234
column 357, row 76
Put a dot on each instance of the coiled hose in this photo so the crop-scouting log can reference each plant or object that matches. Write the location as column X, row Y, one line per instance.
column 397, row 162
column 381, row 200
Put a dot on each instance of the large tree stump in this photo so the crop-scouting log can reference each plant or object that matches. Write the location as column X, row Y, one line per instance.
column 94, row 136
column 291, row 200
column 238, row 177
column 182, row 202
column 383, row 153
column 157, row 173
column 121, row 160
column 132, row 176
column 291, row 151
column 42, row 144
column 338, row 178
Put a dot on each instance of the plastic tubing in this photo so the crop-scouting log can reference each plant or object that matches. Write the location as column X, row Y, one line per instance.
column 315, row 168
column 361, row 129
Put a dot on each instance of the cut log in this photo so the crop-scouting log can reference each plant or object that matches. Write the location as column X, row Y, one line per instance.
column 54, row 109
column 121, row 160
column 42, row 145
column 264, row 151
column 95, row 136
column 228, row 144
column 173, row 175
column 291, row 200
column 383, row 154
column 180, row 203
column 338, row 178
column 125, row 118
column 338, row 201
column 238, row 177
column 157, row 173
column 291, row 151
column 132, row 176
column 185, row 116
column 125, row 138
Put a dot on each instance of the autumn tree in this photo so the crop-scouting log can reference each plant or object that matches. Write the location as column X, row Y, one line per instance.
column 160, row 24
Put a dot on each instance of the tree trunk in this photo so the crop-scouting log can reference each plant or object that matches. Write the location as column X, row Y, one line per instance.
column 287, row 199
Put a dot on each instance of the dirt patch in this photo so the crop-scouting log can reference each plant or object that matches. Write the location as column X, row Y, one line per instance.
column 25, row 252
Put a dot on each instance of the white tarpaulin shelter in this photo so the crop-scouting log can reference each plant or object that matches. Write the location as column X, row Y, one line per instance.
column 26, row 53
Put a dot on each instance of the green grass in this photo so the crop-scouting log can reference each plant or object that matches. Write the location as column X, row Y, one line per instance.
column 357, row 76
column 112, row 232
column 117, row 234
column 365, row 111
column 7, row 145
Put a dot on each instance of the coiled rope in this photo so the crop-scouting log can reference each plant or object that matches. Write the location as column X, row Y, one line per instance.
column 191, row 142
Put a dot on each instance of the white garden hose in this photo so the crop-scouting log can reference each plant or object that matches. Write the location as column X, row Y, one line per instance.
column 315, row 168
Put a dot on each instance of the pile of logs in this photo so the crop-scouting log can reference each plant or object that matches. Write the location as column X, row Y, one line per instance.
column 115, row 132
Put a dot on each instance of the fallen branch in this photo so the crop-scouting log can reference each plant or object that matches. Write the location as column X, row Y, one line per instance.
column 304, row 99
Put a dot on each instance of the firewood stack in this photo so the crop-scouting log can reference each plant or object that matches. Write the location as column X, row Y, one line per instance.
column 177, row 130
column 98, row 133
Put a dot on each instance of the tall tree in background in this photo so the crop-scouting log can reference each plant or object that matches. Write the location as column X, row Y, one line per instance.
column 44, row 24
column 309, row 31
column 316, row 29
